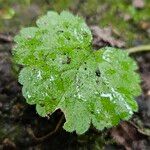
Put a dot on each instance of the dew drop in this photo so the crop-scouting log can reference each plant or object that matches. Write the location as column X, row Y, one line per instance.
column 106, row 55
column 60, row 60
column 75, row 32
column 29, row 96
column 120, row 98
column 46, row 94
column 39, row 75
column 98, row 111
column 107, row 95
column 52, row 78
column 29, row 37
column 79, row 96
column 96, row 93
column 74, row 95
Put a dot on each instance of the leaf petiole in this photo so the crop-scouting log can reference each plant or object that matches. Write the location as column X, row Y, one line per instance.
column 141, row 48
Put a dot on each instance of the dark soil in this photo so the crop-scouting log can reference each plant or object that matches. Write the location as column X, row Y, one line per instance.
column 22, row 128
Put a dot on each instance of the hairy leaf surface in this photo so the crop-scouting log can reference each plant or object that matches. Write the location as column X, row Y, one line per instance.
column 62, row 71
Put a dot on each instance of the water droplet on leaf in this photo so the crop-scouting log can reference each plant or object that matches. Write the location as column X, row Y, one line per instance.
column 39, row 75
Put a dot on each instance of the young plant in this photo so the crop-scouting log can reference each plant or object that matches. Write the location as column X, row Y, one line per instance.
column 62, row 71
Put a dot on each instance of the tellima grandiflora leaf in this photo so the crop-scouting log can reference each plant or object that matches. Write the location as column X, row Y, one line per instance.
column 62, row 71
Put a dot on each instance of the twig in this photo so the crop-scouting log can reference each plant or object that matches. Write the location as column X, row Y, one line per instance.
column 139, row 129
column 138, row 49
column 43, row 138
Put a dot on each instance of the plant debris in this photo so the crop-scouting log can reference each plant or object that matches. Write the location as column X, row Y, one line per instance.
column 138, row 3
column 104, row 37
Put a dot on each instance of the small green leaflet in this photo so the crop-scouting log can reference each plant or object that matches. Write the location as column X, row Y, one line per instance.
column 62, row 71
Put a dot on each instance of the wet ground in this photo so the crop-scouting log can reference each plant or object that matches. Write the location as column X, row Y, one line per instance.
column 22, row 128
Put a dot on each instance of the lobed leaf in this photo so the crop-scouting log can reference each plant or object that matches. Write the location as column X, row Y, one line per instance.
column 62, row 71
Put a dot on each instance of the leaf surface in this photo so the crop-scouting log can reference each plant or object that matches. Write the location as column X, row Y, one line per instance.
column 62, row 71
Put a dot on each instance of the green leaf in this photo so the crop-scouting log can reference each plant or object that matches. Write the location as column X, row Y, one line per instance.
column 62, row 71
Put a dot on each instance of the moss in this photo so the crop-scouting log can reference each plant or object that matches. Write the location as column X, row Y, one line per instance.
column 109, row 13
